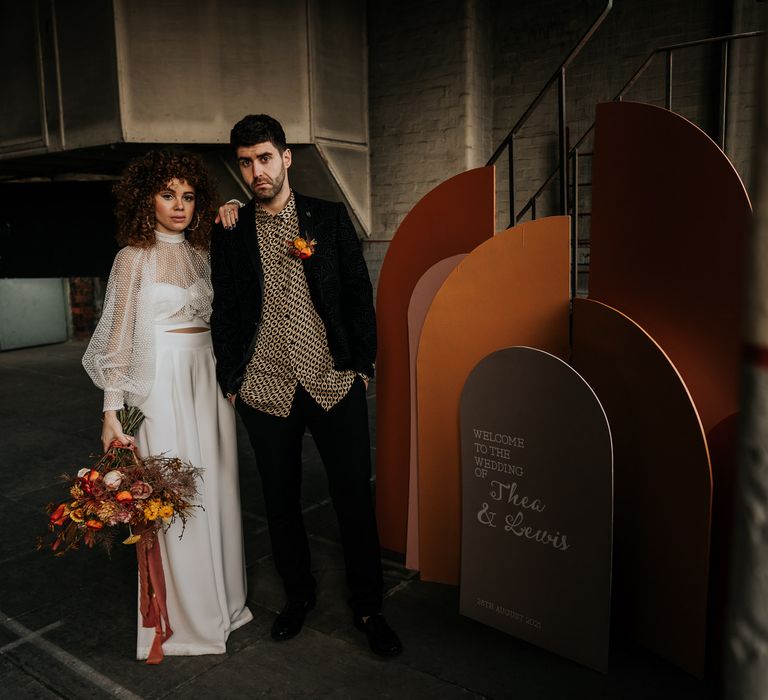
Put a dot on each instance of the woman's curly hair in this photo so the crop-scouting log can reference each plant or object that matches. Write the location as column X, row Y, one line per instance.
column 150, row 174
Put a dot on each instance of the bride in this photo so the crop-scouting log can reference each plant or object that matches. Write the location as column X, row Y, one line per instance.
column 152, row 349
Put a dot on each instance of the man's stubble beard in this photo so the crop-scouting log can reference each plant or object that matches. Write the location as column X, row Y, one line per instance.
column 270, row 194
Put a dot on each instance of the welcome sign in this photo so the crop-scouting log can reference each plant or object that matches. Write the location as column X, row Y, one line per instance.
column 537, row 504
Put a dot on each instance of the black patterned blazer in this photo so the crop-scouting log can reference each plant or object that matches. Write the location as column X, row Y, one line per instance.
column 336, row 275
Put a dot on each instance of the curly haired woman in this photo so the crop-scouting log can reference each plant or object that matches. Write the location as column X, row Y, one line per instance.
column 152, row 349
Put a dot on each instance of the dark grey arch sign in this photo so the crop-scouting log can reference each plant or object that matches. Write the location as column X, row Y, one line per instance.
column 537, row 504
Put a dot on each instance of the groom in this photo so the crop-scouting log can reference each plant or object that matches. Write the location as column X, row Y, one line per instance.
column 295, row 340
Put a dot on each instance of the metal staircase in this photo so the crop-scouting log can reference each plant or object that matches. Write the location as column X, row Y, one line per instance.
column 572, row 177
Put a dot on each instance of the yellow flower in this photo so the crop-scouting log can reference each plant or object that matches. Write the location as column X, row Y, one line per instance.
column 166, row 511
column 152, row 509
column 77, row 515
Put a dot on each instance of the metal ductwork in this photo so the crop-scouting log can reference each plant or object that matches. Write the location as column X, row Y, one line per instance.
column 91, row 83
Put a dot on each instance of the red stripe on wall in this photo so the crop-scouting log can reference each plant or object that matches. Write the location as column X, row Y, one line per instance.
column 756, row 355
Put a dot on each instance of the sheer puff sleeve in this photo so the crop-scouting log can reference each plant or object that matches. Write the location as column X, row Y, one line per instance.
column 120, row 357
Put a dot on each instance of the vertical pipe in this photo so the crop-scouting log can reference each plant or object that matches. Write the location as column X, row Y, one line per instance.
column 575, row 226
column 512, row 203
column 59, row 91
column 563, row 147
column 722, row 116
column 746, row 676
column 668, row 81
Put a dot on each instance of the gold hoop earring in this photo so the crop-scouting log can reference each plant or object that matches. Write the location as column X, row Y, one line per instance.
column 197, row 223
column 150, row 227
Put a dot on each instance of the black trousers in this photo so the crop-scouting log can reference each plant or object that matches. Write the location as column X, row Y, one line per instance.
column 343, row 440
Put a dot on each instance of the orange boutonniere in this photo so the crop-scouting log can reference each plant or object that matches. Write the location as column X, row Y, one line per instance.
column 301, row 248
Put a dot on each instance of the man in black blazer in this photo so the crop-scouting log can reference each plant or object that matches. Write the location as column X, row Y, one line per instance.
column 294, row 334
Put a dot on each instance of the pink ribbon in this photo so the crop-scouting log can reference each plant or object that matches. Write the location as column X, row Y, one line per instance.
column 152, row 605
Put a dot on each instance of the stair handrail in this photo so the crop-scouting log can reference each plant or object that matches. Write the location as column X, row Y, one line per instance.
column 559, row 77
column 725, row 39
column 669, row 50
column 555, row 76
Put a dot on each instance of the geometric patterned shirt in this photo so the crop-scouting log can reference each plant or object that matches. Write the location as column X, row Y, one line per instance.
column 292, row 345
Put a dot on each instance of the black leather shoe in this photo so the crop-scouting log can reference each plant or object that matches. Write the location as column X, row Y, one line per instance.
column 291, row 619
column 382, row 639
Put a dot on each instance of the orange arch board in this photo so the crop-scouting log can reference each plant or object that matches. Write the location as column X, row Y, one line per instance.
column 453, row 218
column 511, row 290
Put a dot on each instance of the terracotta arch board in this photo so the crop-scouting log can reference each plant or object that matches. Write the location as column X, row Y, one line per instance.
column 662, row 484
column 670, row 216
column 511, row 290
column 723, row 454
column 421, row 299
column 455, row 217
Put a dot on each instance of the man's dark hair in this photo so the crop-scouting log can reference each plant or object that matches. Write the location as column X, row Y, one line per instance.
column 257, row 128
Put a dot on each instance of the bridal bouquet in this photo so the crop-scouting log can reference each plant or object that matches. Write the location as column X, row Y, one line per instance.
column 121, row 488
column 145, row 493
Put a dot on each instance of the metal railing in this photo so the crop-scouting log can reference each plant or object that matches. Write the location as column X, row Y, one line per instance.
column 558, row 77
column 530, row 205
column 508, row 143
column 725, row 42
column 574, row 154
column 568, row 160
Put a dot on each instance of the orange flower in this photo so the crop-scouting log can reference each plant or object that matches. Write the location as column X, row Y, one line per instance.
column 94, row 524
column 60, row 515
column 124, row 497
column 301, row 248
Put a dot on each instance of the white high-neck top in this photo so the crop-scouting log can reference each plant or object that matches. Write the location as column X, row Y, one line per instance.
column 164, row 286
column 170, row 237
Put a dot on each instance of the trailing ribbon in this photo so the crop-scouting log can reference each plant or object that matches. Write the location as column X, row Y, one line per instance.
column 152, row 604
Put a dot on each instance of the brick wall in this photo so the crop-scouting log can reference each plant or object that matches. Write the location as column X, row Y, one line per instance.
column 532, row 38
column 748, row 15
column 449, row 79
column 430, row 103
column 85, row 306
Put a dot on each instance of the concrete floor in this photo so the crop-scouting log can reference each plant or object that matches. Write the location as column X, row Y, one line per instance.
column 67, row 625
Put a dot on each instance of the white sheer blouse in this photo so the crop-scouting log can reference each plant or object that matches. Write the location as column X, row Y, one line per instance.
column 167, row 285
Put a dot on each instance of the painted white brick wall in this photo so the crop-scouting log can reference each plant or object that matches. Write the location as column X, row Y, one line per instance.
column 748, row 15
column 430, row 100
column 532, row 38
column 449, row 79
